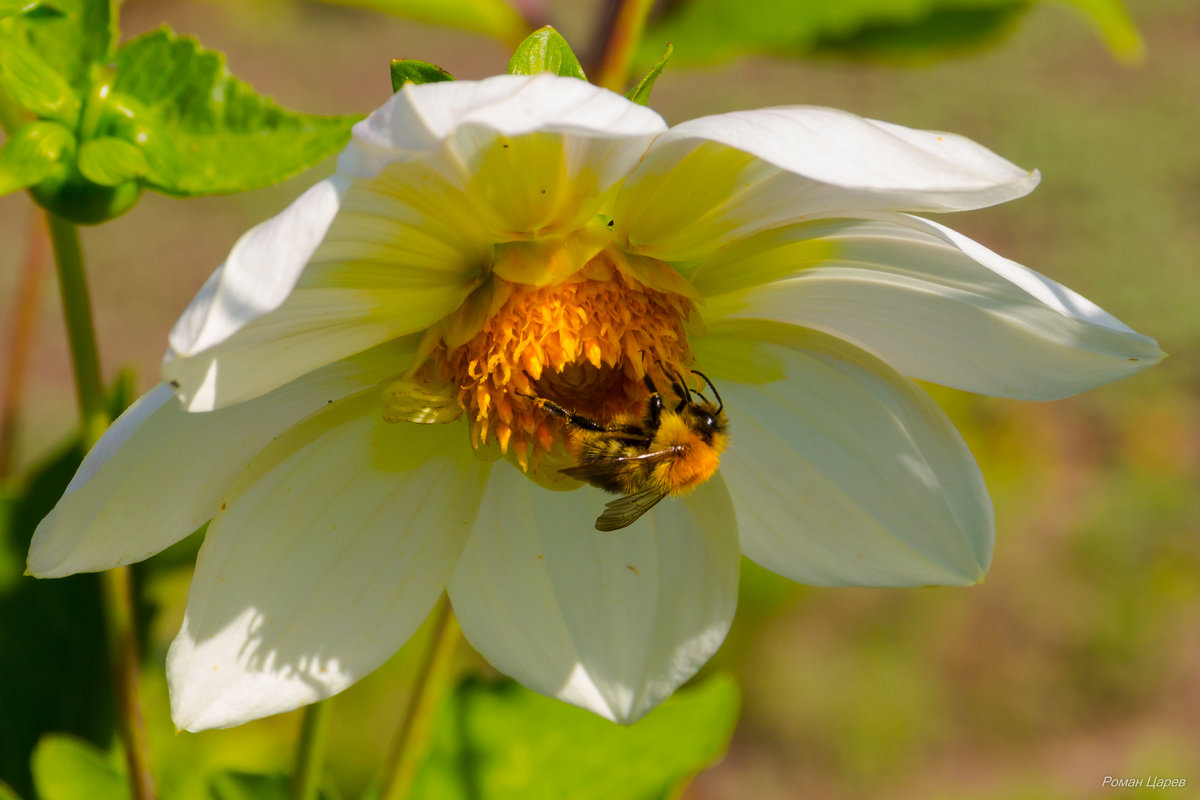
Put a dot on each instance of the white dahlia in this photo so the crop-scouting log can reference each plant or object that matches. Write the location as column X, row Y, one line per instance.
column 348, row 397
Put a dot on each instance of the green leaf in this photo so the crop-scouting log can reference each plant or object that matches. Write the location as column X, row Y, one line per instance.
column 9, row 8
column 545, row 50
column 495, row 18
column 109, row 161
column 944, row 33
column 250, row 786
column 31, row 154
column 206, row 132
column 7, row 793
column 1116, row 28
column 34, row 85
column 498, row 741
column 915, row 31
column 81, row 35
column 640, row 94
column 66, row 768
column 410, row 70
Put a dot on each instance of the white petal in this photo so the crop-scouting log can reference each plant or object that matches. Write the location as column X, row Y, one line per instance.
column 313, row 328
column 335, row 544
column 842, row 471
column 715, row 179
column 534, row 154
column 260, row 271
column 159, row 472
column 612, row 622
column 931, row 302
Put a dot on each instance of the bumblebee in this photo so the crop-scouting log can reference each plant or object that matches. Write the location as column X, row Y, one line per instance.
column 668, row 451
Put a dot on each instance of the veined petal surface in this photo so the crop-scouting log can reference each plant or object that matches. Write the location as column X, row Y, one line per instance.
column 159, row 472
column 931, row 302
column 714, row 179
column 842, row 471
column 328, row 553
column 539, row 153
column 611, row 622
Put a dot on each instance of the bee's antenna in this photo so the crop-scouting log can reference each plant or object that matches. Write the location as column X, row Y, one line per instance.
column 720, row 402
column 687, row 390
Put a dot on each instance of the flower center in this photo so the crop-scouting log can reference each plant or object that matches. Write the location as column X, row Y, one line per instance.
column 584, row 343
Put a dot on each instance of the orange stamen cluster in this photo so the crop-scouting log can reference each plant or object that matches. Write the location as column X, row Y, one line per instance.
column 581, row 343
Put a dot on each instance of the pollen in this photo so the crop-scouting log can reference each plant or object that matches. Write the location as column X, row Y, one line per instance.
column 584, row 342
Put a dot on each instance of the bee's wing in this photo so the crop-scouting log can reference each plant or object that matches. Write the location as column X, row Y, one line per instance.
column 608, row 467
column 627, row 509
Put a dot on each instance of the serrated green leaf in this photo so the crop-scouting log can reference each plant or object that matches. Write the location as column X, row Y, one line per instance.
column 35, row 85
column 109, row 161
column 251, row 786
column 409, row 70
column 545, row 50
column 66, row 768
column 498, row 741
column 640, row 94
column 495, row 18
column 31, row 154
column 710, row 31
column 83, row 33
column 213, row 133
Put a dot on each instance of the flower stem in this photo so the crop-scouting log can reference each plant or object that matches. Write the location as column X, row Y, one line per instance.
column 433, row 681
column 116, row 584
column 310, row 755
column 81, row 333
column 624, row 33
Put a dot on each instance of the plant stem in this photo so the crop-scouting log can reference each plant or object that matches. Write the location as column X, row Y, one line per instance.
column 116, row 584
column 117, row 588
column 26, row 302
column 310, row 755
column 624, row 33
column 81, row 333
column 433, row 681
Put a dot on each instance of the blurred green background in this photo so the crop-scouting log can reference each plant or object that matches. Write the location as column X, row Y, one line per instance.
column 1079, row 657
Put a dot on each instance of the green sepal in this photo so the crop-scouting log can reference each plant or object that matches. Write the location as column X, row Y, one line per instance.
column 409, row 70
column 204, row 131
column 73, row 197
column 35, row 85
column 109, row 161
column 545, row 50
column 67, row 768
column 640, row 94
column 31, row 154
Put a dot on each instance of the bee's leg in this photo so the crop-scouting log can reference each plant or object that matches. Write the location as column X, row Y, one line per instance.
column 573, row 419
column 654, row 405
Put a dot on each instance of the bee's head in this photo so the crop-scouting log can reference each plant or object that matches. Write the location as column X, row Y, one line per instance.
column 706, row 419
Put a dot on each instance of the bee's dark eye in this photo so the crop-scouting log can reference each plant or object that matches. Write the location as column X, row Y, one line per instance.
column 709, row 424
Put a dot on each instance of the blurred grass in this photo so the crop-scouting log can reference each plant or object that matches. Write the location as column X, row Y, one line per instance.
column 1077, row 659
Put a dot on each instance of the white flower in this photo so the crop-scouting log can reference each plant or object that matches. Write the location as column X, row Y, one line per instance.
column 481, row 240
